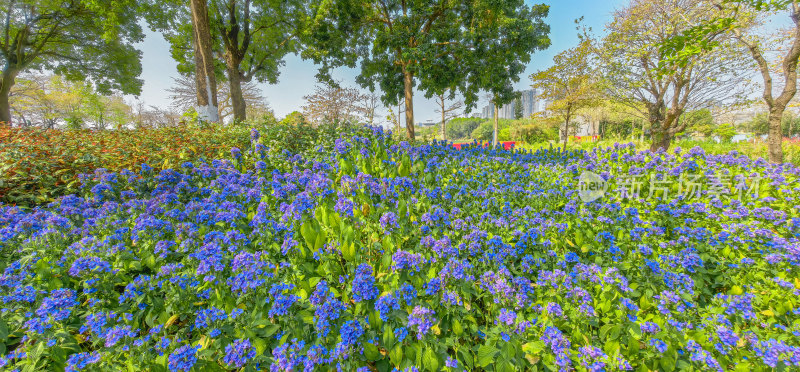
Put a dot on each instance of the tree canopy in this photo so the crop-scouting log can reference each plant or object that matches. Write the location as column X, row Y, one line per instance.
column 739, row 19
column 427, row 45
column 631, row 61
column 250, row 39
column 77, row 39
column 571, row 84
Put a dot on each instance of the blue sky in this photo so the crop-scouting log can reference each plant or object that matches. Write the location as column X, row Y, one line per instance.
column 297, row 76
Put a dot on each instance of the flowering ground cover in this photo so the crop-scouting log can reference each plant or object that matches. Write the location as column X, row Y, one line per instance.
column 373, row 255
column 39, row 165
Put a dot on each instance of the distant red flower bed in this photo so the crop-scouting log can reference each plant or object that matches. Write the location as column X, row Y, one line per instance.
column 506, row 145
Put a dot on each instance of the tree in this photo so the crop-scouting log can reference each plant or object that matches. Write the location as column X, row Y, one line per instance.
column 760, row 125
column 333, row 102
column 183, row 96
column 460, row 128
column 448, row 112
column 250, row 39
column 369, row 105
column 154, row 117
column 256, row 35
column 205, row 78
column 700, row 121
column 430, row 46
column 73, row 38
column 632, row 63
column 571, row 84
column 518, row 114
column 32, row 104
column 741, row 18
column 48, row 101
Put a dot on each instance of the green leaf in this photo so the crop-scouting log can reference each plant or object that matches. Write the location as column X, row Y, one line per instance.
column 349, row 251
column 396, row 355
column 308, row 233
column 533, row 348
column 458, row 329
column 388, row 336
column 371, row 352
column 486, row 355
column 430, row 360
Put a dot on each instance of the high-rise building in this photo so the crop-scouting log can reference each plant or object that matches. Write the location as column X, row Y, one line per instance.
column 529, row 100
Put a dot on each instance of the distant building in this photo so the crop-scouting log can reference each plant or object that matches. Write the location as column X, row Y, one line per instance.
column 530, row 101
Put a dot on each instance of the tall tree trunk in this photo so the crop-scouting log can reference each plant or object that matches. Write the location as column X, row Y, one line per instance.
column 566, row 130
column 661, row 139
column 204, row 62
column 670, row 126
column 774, row 135
column 5, row 91
column 444, row 135
column 408, row 84
column 496, row 125
column 237, row 98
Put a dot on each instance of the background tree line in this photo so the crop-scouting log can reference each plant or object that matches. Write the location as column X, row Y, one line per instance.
column 403, row 46
column 659, row 61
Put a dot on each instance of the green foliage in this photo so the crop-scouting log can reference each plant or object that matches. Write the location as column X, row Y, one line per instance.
column 49, row 99
column 85, row 39
column 619, row 129
column 254, row 35
column 725, row 132
column 759, row 125
column 699, row 121
column 485, row 130
column 504, row 134
column 467, row 46
column 536, row 131
column 518, row 112
column 461, row 128
column 294, row 118
column 704, row 36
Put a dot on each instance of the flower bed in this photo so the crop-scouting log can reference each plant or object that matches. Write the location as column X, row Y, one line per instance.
column 38, row 165
column 506, row 145
column 380, row 255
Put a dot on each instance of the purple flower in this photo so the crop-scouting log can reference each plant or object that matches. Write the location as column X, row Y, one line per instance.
column 239, row 353
column 659, row 345
column 407, row 261
column 559, row 345
column 507, row 317
column 421, row 319
column 385, row 305
column 388, row 221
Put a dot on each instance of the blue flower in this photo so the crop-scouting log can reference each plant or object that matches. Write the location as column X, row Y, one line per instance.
column 182, row 359
column 238, row 353
column 350, row 332
column 364, row 284
column 422, row 320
